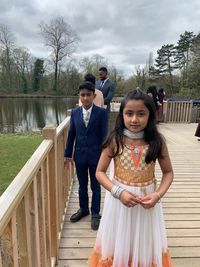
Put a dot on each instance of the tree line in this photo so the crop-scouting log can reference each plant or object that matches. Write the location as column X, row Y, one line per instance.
column 176, row 67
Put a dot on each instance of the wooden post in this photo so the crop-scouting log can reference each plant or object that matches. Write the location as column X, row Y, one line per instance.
column 14, row 240
column 70, row 171
column 165, row 111
column 23, row 230
column 190, row 112
column 1, row 264
column 49, row 132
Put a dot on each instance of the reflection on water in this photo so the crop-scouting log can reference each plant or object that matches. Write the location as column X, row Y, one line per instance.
column 32, row 114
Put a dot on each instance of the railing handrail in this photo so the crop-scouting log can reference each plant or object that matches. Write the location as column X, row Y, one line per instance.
column 16, row 190
column 62, row 125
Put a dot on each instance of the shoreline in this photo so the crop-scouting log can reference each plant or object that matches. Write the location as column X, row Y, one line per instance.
column 36, row 96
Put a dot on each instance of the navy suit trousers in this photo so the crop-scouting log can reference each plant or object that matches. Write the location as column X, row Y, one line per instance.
column 82, row 173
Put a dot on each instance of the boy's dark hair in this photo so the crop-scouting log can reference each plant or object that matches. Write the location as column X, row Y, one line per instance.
column 151, row 134
column 87, row 85
column 90, row 78
column 103, row 69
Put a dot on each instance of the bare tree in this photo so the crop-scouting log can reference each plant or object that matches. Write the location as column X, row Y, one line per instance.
column 22, row 63
column 62, row 41
column 140, row 77
column 6, row 45
column 92, row 64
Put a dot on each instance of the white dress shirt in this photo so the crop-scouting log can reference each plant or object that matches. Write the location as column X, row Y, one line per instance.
column 86, row 115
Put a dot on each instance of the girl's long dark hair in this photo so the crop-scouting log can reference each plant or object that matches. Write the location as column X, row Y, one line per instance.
column 151, row 134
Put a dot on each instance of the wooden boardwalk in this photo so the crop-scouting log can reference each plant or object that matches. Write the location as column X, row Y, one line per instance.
column 181, row 206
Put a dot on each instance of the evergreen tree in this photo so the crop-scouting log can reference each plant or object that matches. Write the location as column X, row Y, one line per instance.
column 38, row 72
column 165, row 62
column 182, row 56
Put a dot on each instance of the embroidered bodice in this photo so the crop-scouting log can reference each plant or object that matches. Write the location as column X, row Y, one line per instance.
column 131, row 168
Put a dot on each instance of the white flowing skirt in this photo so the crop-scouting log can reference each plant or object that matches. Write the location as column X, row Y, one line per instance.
column 131, row 236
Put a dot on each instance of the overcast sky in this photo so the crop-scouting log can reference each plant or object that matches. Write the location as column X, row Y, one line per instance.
column 122, row 31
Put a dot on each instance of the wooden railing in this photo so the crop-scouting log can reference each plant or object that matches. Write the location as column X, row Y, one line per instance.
column 177, row 111
column 174, row 111
column 33, row 206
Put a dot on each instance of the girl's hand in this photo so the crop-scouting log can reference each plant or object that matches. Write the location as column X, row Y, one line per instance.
column 129, row 199
column 150, row 200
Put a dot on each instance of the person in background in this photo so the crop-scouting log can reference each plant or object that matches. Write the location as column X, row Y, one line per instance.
column 106, row 86
column 132, row 229
column 152, row 91
column 161, row 95
column 98, row 100
column 88, row 128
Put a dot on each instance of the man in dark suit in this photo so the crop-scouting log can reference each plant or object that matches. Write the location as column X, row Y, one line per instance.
column 106, row 86
column 88, row 128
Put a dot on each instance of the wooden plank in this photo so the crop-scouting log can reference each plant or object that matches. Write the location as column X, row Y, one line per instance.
column 182, row 210
column 88, row 242
column 184, row 262
column 47, row 211
column 36, row 217
column 14, row 240
column 73, row 263
column 84, row 253
column 183, row 224
column 165, row 204
column 183, row 233
column 41, row 203
column 1, row 264
column 74, row 253
column 182, row 217
column 185, row 252
column 50, row 133
column 24, row 231
column 79, row 242
column 78, row 232
column 184, row 242
column 169, row 224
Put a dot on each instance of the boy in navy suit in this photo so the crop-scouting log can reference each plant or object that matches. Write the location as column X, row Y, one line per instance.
column 88, row 128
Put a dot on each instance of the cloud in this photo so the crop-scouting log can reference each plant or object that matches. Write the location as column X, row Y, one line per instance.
column 124, row 32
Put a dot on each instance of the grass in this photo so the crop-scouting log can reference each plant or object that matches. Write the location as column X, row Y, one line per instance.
column 15, row 150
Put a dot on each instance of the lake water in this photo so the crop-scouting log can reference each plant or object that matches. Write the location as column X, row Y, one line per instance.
column 32, row 114
column 18, row 115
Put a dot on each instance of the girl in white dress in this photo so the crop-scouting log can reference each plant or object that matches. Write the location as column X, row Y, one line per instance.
column 132, row 230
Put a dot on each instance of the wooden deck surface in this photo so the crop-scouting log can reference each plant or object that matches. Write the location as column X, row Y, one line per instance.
column 181, row 206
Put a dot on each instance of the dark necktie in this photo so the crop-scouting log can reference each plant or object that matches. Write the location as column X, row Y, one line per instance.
column 101, row 84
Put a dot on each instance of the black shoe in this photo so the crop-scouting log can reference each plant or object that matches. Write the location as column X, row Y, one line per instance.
column 78, row 215
column 95, row 221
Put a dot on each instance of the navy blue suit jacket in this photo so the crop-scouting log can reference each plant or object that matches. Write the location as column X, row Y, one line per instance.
column 88, row 140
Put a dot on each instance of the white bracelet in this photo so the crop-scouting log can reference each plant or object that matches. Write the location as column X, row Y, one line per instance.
column 116, row 191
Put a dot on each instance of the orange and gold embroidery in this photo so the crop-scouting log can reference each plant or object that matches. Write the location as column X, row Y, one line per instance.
column 136, row 154
column 132, row 170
